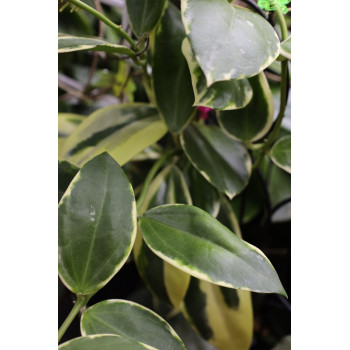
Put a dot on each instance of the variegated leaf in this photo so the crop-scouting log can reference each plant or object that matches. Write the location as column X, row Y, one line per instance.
column 281, row 153
column 165, row 281
column 224, row 162
column 222, row 95
column 130, row 320
column 69, row 43
column 121, row 130
column 255, row 120
column 96, row 225
column 228, row 42
column 193, row 241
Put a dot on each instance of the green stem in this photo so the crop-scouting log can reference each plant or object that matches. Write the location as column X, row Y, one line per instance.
column 104, row 19
column 284, row 93
column 231, row 216
column 150, row 177
column 82, row 300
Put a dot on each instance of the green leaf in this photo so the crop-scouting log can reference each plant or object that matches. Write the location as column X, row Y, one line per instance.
column 280, row 153
column 254, row 121
column 286, row 48
column 66, row 173
column 165, row 281
column 193, row 241
column 203, row 194
column 224, row 162
column 171, row 76
column 276, row 94
column 97, row 225
column 279, row 187
column 222, row 316
column 222, row 95
column 130, row 320
column 69, row 43
column 102, row 342
column 228, row 42
column 121, row 130
column 144, row 14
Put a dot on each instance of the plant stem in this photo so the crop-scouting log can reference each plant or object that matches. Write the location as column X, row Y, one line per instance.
column 231, row 216
column 150, row 177
column 82, row 300
column 284, row 93
column 104, row 19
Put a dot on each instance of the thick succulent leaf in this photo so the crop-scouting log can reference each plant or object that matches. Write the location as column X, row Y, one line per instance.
column 121, row 130
column 193, row 241
column 280, row 153
column 286, row 48
column 66, row 173
column 165, row 281
column 203, row 194
column 67, row 123
column 96, row 225
column 224, row 162
column 171, row 76
column 222, row 316
column 222, row 95
column 105, row 342
column 144, row 14
column 254, row 121
column 130, row 320
column 228, row 42
column 69, row 43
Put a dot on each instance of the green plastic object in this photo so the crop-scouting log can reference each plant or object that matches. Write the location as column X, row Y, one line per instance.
column 272, row 5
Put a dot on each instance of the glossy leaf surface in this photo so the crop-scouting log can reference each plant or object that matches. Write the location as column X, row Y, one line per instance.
column 168, row 283
column 97, row 225
column 193, row 241
column 222, row 95
column 281, row 153
column 222, row 316
column 144, row 14
column 228, row 42
column 224, row 162
column 105, row 342
column 130, row 320
column 171, row 76
column 254, row 121
column 121, row 130
column 69, row 43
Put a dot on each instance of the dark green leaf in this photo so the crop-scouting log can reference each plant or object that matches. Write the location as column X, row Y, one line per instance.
column 280, row 153
column 224, row 162
column 102, row 342
column 121, row 130
column 69, row 43
column 132, row 321
column 222, row 95
column 96, row 225
column 193, row 241
column 144, row 14
column 66, row 173
column 203, row 194
column 254, row 121
column 228, row 42
column 171, row 76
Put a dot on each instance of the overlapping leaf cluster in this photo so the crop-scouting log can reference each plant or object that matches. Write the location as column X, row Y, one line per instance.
column 200, row 169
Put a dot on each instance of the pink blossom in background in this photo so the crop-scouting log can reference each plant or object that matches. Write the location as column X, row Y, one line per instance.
column 204, row 112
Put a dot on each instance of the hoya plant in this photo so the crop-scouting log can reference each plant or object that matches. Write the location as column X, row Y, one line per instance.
column 174, row 157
